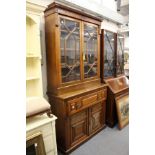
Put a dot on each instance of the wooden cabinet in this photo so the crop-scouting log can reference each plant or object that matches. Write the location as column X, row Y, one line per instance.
column 117, row 87
column 112, row 71
column 80, row 115
column 76, row 95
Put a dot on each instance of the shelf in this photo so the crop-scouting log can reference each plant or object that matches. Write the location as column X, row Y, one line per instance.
column 70, row 49
column 33, row 56
column 77, row 33
column 65, row 65
column 32, row 78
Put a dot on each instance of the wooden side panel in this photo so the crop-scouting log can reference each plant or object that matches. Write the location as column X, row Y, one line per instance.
column 109, row 109
column 62, row 124
column 52, row 45
column 102, row 55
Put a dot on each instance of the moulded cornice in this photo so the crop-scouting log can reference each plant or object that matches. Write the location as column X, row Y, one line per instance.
column 35, row 7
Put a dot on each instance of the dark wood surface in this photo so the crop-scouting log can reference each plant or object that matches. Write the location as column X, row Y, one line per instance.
column 116, row 87
column 80, row 105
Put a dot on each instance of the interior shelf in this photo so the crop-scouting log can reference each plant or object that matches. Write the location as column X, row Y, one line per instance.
column 33, row 57
column 34, row 88
column 32, row 78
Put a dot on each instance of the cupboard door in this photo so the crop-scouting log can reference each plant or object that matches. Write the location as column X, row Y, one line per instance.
column 109, row 54
column 70, row 49
column 79, row 127
column 90, row 53
column 97, row 117
column 120, row 54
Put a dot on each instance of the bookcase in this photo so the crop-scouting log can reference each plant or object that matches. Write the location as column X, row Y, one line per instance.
column 76, row 95
column 112, row 72
column 33, row 50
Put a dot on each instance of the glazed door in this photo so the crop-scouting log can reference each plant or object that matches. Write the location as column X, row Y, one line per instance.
column 97, row 117
column 79, row 127
column 90, row 50
column 120, row 54
column 109, row 54
column 70, row 49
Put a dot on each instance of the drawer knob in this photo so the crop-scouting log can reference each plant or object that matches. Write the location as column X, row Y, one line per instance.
column 73, row 107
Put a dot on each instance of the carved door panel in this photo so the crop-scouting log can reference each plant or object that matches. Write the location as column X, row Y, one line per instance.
column 79, row 127
column 96, row 117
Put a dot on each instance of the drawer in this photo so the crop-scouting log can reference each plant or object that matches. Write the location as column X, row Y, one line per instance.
column 89, row 99
column 85, row 101
column 102, row 94
column 74, row 105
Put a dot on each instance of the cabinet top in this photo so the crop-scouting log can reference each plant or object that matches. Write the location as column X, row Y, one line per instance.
column 82, row 90
column 37, row 121
column 63, row 9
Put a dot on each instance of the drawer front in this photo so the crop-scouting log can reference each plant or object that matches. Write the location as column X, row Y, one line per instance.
column 74, row 105
column 89, row 99
column 102, row 94
column 85, row 101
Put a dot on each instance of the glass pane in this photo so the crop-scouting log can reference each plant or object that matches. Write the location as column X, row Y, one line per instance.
column 109, row 57
column 120, row 54
column 90, row 51
column 70, row 50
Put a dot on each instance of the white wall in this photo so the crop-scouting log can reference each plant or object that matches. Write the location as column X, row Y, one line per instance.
column 111, row 4
column 104, row 8
column 126, row 43
column 108, row 25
